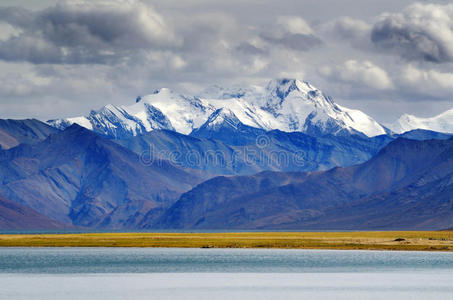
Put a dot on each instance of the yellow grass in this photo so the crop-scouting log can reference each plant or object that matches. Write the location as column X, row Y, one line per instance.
column 382, row 240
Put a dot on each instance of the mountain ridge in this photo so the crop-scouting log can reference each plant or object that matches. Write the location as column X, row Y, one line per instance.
column 15, row 132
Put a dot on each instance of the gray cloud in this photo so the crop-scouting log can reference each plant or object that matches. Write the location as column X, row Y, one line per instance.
column 355, row 31
column 420, row 32
column 248, row 48
column 16, row 16
column 84, row 32
column 31, row 49
column 349, row 28
column 296, row 41
column 292, row 32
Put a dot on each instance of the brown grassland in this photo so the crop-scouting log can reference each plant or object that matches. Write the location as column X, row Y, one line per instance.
column 372, row 240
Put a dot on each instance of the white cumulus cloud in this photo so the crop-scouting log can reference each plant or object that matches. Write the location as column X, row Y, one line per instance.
column 360, row 73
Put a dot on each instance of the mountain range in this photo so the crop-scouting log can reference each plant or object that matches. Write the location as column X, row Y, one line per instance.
column 407, row 185
column 283, row 156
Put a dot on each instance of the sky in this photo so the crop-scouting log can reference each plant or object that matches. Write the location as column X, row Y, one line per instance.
column 64, row 58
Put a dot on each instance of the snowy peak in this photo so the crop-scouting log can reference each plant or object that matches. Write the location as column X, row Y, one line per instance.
column 283, row 88
column 163, row 109
column 440, row 123
column 283, row 104
column 299, row 106
column 297, row 93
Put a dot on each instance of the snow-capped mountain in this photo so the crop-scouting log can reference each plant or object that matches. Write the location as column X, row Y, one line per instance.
column 439, row 123
column 163, row 109
column 285, row 104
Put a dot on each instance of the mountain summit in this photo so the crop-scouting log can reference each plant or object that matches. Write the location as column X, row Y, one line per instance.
column 299, row 106
column 288, row 105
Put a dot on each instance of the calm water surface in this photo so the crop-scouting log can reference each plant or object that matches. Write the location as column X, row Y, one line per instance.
column 144, row 273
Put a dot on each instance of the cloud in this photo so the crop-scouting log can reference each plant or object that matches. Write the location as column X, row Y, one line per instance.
column 248, row 48
column 16, row 16
column 359, row 73
column 294, row 25
column 427, row 82
column 420, row 32
column 21, row 85
column 293, row 33
column 300, row 42
column 355, row 31
column 31, row 49
column 130, row 33
column 76, row 32
column 216, row 47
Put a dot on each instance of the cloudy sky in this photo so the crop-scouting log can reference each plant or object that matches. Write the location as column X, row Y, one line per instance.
column 63, row 58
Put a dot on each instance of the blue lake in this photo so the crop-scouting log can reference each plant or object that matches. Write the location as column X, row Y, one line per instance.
column 147, row 273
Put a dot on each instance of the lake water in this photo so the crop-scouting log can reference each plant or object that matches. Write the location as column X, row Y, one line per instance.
column 137, row 273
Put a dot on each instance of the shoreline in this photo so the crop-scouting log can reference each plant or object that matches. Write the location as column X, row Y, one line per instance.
column 369, row 240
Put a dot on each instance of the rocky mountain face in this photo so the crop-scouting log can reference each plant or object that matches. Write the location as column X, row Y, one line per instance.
column 287, row 105
column 78, row 177
column 15, row 132
column 407, row 185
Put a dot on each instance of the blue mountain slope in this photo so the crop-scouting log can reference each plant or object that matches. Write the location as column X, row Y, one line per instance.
column 81, row 178
column 232, row 148
column 225, row 146
column 422, row 134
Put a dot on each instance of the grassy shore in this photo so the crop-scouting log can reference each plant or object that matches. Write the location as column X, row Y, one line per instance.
column 382, row 240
